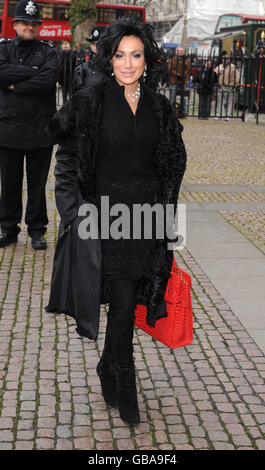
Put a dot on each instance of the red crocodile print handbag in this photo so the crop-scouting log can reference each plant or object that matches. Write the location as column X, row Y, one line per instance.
column 175, row 330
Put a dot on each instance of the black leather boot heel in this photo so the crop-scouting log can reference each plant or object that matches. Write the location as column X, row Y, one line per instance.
column 107, row 378
column 127, row 395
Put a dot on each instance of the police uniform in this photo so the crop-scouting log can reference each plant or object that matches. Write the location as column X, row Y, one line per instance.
column 85, row 68
column 31, row 66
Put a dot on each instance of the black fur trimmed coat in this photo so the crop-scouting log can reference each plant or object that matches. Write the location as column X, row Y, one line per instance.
column 77, row 288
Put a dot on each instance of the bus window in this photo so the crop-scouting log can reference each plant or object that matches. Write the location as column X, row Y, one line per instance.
column 120, row 12
column 11, row 7
column 1, row 7
column 254, row 21
column 106, row 15
column 109, row 15
column 226, row 21
column 62, row 13
column 139, row 14
column 47, row 11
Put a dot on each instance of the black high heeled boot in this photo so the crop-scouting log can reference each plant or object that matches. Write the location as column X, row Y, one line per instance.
column 107, row 373
column 107, row 376
column 127, row 395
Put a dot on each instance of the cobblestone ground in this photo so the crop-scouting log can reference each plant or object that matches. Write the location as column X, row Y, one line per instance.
column 208, row 395
column 224, row 152
column 249, row 223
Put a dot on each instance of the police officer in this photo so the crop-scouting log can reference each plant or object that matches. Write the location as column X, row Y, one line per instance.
column 83, row 70
column 28, row 75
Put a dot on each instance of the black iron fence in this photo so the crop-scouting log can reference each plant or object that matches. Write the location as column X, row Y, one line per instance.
column 203, row 87
column 214, row 87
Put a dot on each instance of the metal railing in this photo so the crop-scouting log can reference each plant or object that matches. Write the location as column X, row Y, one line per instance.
column 214, row 87
column 203, row 87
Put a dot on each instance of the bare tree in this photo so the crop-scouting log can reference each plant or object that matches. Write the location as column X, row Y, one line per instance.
column 82, row 16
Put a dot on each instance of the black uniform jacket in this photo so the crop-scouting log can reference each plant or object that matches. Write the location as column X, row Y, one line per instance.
column 77, row 287
column 32, row 67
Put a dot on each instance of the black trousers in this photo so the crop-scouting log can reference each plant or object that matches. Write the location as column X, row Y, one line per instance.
column 12, row 168
column 65, row 93
column 120, row 325
column 204, row 105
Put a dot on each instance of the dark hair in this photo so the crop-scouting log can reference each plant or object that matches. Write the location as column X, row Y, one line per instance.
column 110, row 39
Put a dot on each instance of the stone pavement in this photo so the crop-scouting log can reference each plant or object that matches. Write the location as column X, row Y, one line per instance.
column 208, row 395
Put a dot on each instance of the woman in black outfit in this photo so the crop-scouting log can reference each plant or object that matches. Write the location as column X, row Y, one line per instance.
column 206, row 80
column 121, row 140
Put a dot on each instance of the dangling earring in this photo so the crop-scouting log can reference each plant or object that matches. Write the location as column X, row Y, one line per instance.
column 145, row 73
column 112, row 74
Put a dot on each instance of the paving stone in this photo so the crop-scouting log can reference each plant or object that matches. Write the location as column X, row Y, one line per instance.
column 9, row 412
column 44, row 444
column 217, row 436
column 84, row 443
column 24, row 445
column 64, row 444
column 161, row 436
column 6, row 423
column 229, row 418
column 196, row 431
column 5, row 446
column 223, row 446
column 191, row 419
column 46, row 422
column 166, row 447
column 144, row 440
column 27, row 395
column 125, row 444
column 63, row 431
column 25, row 435
column 260, row 443
column 241, row 440
column 103, row 436
column 200, row 443
column 42, row 432
column 6, row 436
column 121, row 433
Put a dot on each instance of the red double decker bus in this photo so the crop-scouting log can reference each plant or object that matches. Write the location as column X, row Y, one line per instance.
column 55, row 17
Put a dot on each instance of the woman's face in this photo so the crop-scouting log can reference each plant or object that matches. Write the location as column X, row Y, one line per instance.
column 129, row 62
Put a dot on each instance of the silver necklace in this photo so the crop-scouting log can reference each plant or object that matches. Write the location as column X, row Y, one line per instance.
column 132, row 97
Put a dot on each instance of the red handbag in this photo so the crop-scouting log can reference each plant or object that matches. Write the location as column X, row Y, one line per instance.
column 176, row 329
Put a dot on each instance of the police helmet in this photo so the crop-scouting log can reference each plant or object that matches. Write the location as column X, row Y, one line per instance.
column 27, row 10
column 96, row 32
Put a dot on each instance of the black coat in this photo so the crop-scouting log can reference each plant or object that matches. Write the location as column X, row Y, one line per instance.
column 76, row 286
column 206, row 80
column 31, row 66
